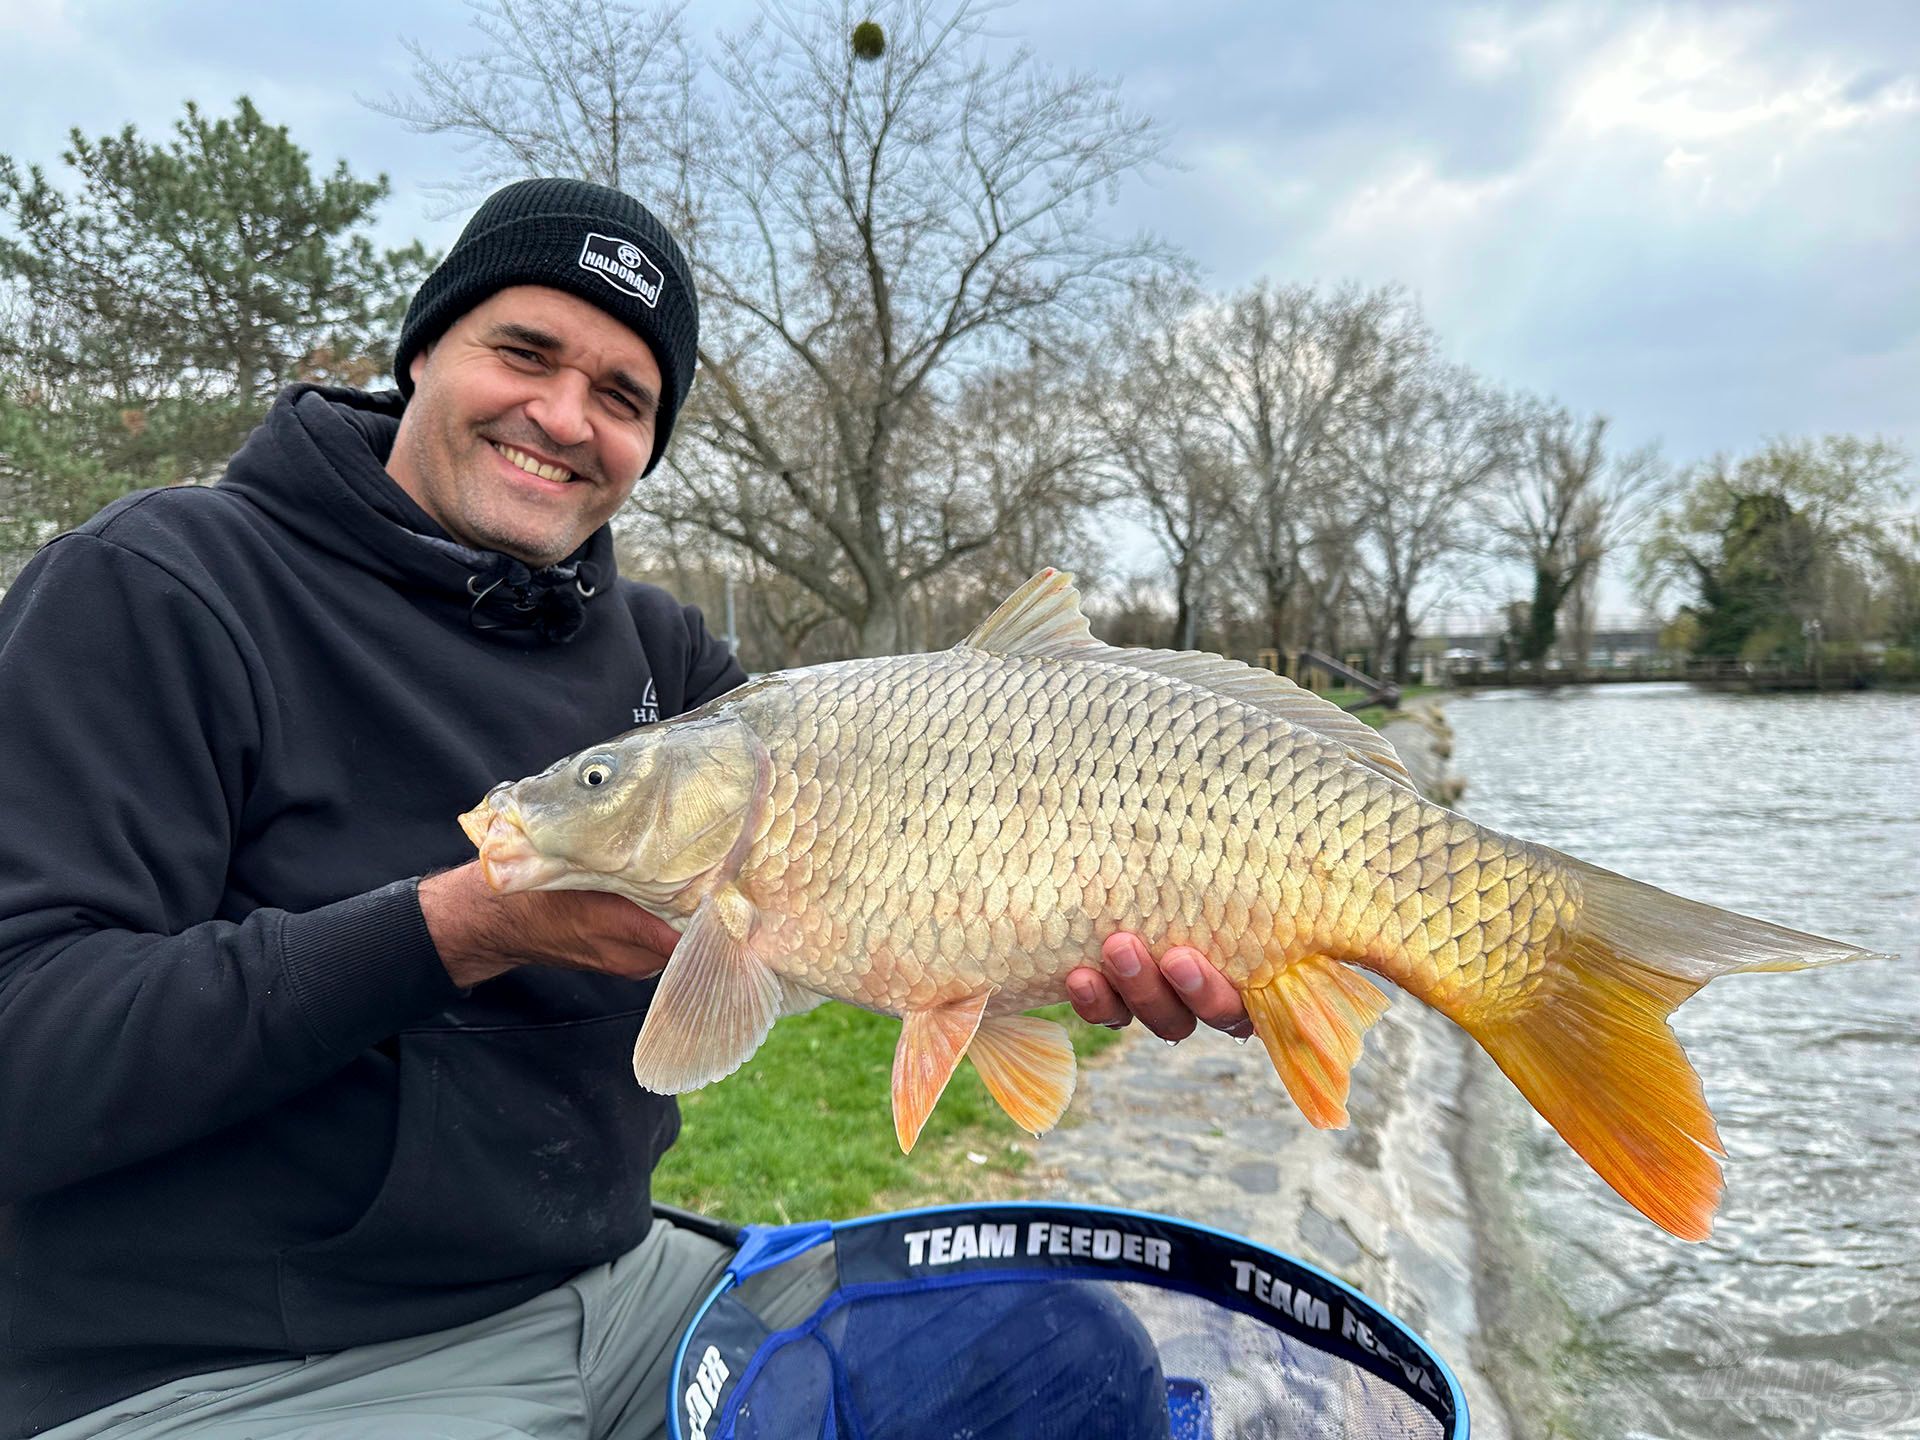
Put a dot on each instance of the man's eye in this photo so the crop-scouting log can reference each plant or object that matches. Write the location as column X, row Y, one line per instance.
column 523, row 357
column 623, row 402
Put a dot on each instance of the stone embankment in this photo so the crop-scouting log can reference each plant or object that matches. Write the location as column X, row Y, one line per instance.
column 1204, row 1131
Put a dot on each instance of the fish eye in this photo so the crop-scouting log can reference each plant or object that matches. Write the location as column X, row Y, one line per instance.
column 597, row 771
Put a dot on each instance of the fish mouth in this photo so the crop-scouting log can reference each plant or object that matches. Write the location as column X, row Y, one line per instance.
column 509, row 861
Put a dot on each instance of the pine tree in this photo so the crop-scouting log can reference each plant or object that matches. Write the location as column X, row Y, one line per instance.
column 147, row 318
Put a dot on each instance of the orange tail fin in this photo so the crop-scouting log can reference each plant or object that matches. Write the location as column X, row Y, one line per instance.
column 1590, row 1046
column 1593, row 1052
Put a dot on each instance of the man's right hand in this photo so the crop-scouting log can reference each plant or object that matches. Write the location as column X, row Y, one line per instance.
column 481, row 934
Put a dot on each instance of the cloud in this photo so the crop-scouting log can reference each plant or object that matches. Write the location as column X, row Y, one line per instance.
column 1690, row 215
column 1620, row 206
column 41, row 23
column 1697, row 218
column 1728, row 106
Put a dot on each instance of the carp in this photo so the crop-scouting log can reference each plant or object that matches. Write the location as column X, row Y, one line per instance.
column 944, row 836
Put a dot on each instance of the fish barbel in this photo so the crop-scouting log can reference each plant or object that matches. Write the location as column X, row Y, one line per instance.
column 943, row 837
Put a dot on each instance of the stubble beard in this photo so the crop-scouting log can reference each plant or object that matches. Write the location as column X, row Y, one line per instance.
column 479, row 511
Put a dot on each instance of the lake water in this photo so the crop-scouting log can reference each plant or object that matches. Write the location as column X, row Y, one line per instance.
column 1800, row 1317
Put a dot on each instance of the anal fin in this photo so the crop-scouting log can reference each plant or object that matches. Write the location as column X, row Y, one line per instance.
column 1311, row 1017
column 931, row 1044
column 1028, row 1067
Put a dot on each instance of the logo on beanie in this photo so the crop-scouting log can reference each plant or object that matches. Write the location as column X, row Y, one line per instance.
column 621, row 264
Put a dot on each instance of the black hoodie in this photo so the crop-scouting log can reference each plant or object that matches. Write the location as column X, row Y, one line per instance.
column 244, row 1113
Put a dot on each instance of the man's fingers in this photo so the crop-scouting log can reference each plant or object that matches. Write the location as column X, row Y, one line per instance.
column 653, row 932
column 649, row 938
column 1204, row 990
column 1094, row 1000
column 1167, row 997
column 1143, row 989
column 613, row 934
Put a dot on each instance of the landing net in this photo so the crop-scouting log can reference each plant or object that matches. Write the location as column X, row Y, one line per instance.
column 1030, row 1322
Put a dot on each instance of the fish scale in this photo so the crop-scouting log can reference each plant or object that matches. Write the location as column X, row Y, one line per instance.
column 1188, row 774
column 946, row 837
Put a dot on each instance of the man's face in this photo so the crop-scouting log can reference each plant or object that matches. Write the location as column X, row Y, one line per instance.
column 530, row 421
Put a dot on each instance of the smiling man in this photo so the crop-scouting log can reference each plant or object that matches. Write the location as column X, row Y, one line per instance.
column 294, row 1142
column 538, row 414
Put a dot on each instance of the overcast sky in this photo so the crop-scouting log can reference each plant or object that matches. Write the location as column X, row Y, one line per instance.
column 1702, row 220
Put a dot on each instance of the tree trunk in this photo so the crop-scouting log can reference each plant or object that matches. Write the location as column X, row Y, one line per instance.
column 1542, row 615
column 1276, row 612
column 1402, row 645
column 1182, row 636
column 883, row 627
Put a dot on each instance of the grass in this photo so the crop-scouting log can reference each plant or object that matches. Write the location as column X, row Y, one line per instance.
column 804, row 1131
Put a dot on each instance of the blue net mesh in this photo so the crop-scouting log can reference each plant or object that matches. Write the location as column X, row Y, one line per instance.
column 1027, row 1322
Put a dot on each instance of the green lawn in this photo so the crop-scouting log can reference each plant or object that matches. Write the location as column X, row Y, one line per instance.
column 804, row 1131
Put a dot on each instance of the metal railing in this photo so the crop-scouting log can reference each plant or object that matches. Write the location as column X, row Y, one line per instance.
column 1833, row 673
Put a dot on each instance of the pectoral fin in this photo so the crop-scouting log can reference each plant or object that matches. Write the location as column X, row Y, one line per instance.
column 716, row 1001
column 931, row 1044
column 1027, row 1064
column 1311, row 1017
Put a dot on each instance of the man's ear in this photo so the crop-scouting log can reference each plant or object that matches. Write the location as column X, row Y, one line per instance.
column 419, row 362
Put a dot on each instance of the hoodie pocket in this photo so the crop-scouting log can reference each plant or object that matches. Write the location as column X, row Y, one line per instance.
column 520, row 1155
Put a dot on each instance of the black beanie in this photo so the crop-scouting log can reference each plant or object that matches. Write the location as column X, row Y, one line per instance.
column 590, row 241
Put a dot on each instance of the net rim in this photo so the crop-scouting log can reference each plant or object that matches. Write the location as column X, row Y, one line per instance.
column 765, row 1246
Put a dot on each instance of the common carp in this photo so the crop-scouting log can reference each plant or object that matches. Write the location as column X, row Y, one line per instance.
column 944, row 836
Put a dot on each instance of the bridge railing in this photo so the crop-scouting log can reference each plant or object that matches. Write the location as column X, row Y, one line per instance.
column 1706, row 669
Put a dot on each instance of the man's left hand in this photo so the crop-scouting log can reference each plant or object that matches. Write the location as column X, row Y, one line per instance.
column 1170, row 997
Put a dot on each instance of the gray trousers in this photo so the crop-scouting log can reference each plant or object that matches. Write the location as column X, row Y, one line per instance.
column 589, row 1360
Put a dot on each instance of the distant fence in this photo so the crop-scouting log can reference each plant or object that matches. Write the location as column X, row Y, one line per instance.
column 1717, row 671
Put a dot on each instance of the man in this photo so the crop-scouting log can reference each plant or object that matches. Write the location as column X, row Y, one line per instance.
column 292, row 1141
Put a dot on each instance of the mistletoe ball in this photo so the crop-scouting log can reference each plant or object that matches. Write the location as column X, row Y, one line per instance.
column 869, row 42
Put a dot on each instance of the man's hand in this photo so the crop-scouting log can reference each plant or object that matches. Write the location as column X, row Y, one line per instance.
column 481, row 934
column 1169, row 998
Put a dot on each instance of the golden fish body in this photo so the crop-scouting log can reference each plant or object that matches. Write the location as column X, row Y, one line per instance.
column 941, row 824
column 944, row 837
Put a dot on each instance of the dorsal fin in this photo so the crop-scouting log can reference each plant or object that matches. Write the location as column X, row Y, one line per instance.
column 1043, row 618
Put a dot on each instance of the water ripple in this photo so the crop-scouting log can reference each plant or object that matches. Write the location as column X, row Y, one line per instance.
column 1800, row 1317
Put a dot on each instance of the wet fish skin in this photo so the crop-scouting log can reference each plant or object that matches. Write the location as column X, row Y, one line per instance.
column 944, row 837
column 941, row 823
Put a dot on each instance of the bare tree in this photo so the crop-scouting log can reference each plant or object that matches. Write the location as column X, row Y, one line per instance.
column 1014, row 453
column 870, row 237
column 595, row 89
column 1568, row 502
column 778, row 623
column 1145, row 399
column 1288, row 368
column 1132, row 612
column 1416, row 459
column 1329, row 566
column 1581, row 601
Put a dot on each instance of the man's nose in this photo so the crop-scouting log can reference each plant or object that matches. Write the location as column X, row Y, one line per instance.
column 560, row 408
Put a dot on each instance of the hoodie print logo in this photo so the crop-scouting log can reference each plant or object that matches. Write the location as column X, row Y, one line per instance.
column 648, row 710
column 622, row 265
